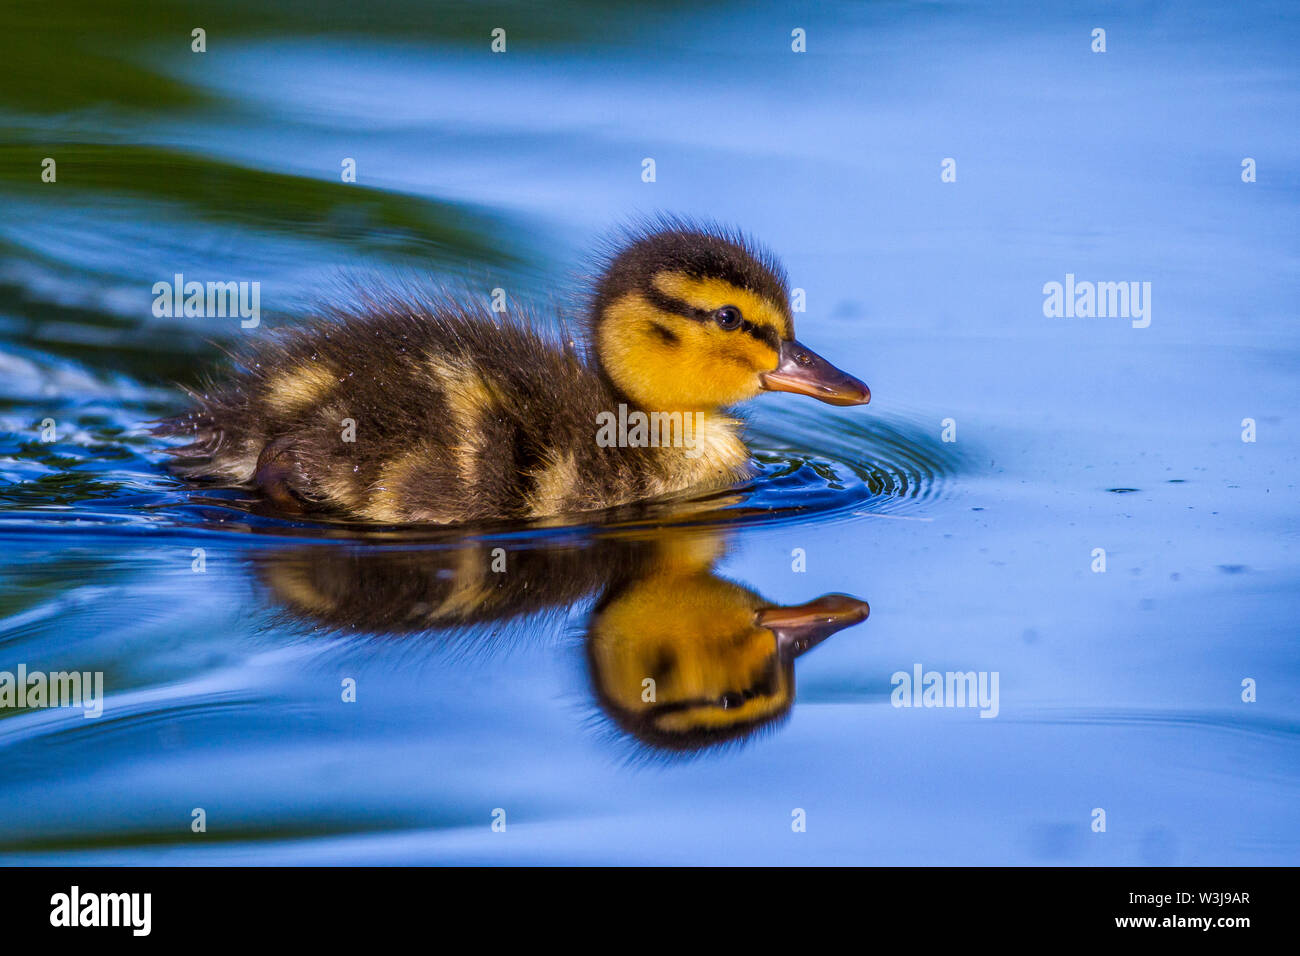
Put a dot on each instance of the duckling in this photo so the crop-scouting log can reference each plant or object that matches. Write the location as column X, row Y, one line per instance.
column 417, row 408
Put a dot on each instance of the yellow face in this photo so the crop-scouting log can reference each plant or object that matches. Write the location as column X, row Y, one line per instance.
column 691, row 343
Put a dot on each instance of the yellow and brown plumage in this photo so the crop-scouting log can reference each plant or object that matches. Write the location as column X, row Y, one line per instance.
column 410, row 408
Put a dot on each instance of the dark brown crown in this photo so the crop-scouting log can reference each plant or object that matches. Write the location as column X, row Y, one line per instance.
column 702, row 250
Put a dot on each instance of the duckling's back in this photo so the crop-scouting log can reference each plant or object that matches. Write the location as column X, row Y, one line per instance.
column 415, row 411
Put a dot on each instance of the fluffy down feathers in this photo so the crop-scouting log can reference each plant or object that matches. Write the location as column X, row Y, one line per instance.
column 407, row 407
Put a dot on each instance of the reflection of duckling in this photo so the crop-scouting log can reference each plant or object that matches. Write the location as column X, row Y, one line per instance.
column 426, row 410
column 719, row 656
column 683, row 660
column 406, row 591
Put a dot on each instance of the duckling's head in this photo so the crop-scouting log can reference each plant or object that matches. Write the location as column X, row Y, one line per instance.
column 694, row 318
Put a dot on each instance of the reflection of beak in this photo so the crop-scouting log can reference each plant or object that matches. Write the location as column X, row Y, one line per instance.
column 803, row 371
column 803, row 626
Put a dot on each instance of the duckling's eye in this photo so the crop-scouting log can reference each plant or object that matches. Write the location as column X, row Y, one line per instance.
column 728, row 317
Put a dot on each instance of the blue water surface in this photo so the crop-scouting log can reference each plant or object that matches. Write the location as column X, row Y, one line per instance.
column 966, row 504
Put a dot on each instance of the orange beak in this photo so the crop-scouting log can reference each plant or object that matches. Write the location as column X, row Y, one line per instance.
column 801, row 627
column 804, row 372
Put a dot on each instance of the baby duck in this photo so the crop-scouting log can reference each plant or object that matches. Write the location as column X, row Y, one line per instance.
column 411, row 408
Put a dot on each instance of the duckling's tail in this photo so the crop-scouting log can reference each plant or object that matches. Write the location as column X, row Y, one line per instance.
column 224, row 441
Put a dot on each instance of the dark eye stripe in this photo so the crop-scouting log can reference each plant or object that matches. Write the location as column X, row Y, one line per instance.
column 668, row 303
column 763, row 333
